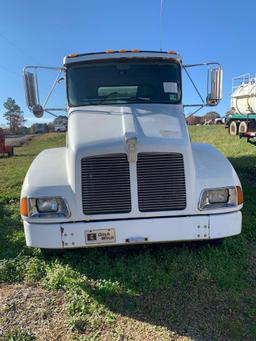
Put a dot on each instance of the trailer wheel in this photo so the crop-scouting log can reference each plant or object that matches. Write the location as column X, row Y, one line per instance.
column 233, row 128
column 243, row 127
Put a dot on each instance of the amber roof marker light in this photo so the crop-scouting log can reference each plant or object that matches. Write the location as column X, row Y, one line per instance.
column 72, row 55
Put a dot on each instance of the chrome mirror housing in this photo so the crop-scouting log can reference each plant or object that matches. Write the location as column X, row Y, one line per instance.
column 214, row 86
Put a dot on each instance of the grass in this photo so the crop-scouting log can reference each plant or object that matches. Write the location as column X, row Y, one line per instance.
column 184, row 291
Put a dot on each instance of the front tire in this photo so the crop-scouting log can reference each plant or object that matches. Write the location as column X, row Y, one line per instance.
column 51, row 252
column 212, row 242
column 216, row 242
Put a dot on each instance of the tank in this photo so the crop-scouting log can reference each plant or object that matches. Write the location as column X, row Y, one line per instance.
column 243, row 98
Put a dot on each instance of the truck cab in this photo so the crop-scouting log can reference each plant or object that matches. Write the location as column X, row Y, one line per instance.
column 129, row 172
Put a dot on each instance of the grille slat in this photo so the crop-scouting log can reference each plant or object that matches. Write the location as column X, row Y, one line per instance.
column 161, row 182
column 106, row 184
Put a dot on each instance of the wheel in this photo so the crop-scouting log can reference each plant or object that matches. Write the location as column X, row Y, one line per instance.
column 51, row 252
column 243, row 127
column 233, row 128
column 216, row 242
column 212, row 242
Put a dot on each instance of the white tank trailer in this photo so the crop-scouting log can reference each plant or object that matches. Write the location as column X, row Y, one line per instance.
column 242, row 117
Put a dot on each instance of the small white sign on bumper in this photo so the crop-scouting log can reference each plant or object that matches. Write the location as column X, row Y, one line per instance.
column 103, row 236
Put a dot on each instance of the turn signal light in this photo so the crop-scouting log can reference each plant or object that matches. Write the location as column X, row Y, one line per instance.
column 109, row 51
column 122, row 50
column 72, row 55
column 24, row 207
column 240, row 196
column 172, row 52
column 135, row 50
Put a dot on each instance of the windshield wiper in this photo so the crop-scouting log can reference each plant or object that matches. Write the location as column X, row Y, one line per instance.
column 140, row 99
column 103, row 98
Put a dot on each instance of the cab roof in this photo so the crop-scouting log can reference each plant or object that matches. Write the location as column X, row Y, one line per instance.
column 111, row 54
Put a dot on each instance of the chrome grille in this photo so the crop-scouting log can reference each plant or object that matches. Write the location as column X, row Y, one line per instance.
column 106, row 184
column 161, row 182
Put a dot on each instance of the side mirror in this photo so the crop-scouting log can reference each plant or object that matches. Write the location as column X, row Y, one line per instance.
column 214, row 86
column 32, row 95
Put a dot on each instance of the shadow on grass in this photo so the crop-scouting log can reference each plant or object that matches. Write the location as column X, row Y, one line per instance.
column 11, row 231
column 189, row 289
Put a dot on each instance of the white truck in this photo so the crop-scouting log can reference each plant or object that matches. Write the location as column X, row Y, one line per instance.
column 129, row 172
column 60, row 129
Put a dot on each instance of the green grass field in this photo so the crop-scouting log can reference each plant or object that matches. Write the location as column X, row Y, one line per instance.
column 185, row 291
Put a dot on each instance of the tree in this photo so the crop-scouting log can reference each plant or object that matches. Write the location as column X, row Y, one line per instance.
column 211, row 116
column 194, row 120
column 39, row 128
column 13, row 115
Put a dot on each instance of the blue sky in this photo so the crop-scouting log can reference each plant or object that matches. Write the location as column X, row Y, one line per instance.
column 43, row 32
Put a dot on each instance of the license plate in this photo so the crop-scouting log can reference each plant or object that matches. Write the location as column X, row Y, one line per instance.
column 100, row 236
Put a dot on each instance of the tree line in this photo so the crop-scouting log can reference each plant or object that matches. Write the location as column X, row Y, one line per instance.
column 207, row 118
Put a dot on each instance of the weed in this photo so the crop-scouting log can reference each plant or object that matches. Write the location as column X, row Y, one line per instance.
column 19, row 335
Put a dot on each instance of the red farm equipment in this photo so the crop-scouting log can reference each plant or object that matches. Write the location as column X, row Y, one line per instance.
column 4, row 149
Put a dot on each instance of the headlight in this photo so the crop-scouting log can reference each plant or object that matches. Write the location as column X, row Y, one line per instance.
column 48, row 207
column 220, row 198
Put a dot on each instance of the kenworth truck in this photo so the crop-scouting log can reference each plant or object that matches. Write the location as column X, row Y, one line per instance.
column 129, row 172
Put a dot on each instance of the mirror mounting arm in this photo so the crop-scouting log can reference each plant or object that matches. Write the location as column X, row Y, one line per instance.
column 214, row 85
column 32, row 90
column 52, row 89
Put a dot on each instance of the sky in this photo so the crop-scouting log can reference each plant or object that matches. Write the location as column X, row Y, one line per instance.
column 34, row 32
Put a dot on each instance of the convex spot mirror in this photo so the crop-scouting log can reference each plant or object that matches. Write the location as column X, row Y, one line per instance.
column 32, row 94
column 38, row 110
column 214, row 86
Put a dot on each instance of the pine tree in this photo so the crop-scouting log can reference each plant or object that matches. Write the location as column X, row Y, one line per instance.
column 13, row 114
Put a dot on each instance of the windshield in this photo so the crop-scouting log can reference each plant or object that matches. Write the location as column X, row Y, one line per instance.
column 123, row 82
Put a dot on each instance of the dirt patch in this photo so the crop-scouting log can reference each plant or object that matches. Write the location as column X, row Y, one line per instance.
column 45, row 137
column 34, row 310
column 18, row 141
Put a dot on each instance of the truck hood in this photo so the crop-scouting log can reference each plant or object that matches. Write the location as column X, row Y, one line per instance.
column 99, row 129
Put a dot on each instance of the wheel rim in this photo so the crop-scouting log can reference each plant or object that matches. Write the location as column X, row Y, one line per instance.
column 242, row 127
column 233, row 128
